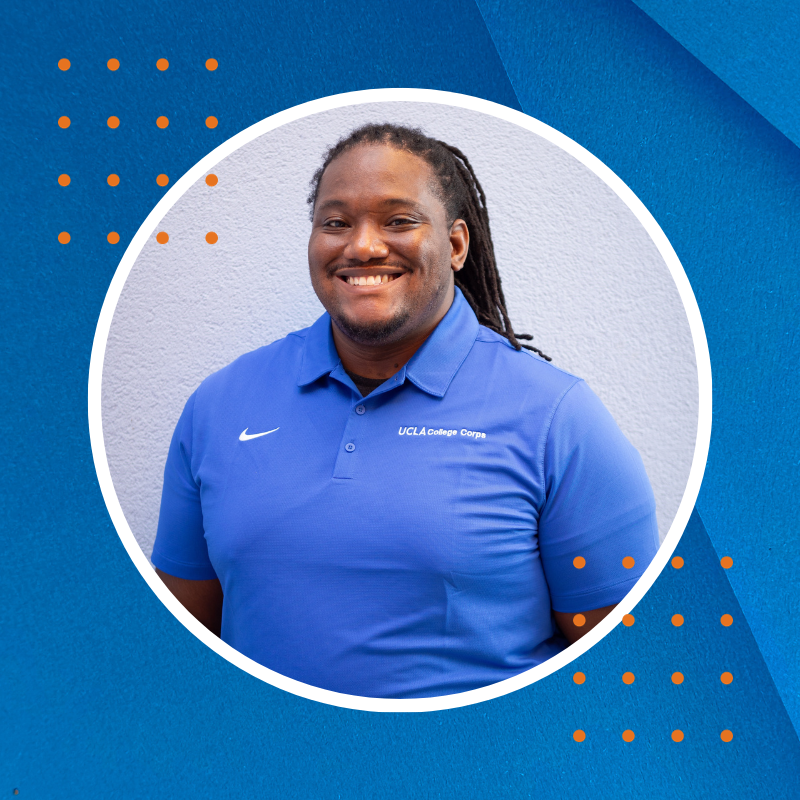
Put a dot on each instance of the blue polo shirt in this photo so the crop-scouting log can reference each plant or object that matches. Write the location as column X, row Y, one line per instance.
column 412, row 543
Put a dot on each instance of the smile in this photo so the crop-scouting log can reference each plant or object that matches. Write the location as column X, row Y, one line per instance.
column 369, row 280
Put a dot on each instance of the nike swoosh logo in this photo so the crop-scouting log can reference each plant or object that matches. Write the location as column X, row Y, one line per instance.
column 244, row 435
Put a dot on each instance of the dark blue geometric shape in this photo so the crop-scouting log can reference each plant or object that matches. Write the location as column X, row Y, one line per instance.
column 751, row 45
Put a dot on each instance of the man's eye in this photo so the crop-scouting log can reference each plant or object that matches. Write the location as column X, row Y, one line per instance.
column 402, row 221
column 334, row 223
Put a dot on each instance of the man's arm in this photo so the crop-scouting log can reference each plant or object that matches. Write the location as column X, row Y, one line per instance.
column 202, row 599
column 566, row 621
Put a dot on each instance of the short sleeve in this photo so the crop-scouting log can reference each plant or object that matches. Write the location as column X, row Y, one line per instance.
column 599, row 506
column 180, row 548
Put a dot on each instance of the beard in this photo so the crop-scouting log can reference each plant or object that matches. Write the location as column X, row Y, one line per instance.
column 374, row 334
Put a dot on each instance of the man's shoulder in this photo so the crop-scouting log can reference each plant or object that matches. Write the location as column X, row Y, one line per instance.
column 522, row 366
column 278, row 361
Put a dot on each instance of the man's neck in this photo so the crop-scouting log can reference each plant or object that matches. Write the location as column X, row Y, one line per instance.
column 382, row 361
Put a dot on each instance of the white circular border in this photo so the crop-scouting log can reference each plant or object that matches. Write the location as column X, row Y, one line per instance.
column 703, row 426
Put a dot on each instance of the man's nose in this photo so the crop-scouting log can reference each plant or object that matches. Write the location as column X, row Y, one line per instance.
column 366, row 243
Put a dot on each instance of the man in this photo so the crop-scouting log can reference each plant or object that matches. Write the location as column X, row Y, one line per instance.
column 400, row 501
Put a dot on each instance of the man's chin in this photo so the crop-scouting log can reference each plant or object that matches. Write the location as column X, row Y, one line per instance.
column 371, row 332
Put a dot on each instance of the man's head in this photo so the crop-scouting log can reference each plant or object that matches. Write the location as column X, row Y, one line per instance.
column 393, row 205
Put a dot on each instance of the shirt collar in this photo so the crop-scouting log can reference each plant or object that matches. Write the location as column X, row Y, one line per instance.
column 432, row 368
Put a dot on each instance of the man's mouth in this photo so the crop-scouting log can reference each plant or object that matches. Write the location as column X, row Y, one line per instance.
column 370, row 277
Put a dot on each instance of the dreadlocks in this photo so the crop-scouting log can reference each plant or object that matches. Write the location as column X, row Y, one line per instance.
column 463, row 198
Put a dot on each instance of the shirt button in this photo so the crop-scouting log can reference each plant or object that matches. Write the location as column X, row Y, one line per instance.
column 361, row 410
column 349, row 447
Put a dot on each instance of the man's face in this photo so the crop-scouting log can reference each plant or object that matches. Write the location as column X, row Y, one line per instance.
column 381, row 252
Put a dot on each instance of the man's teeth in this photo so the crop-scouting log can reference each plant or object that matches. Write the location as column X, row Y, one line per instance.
column 370, row 280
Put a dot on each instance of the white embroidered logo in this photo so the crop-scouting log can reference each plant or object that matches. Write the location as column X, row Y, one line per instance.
column 245, row 436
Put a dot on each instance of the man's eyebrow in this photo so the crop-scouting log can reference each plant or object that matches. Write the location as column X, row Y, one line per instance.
column 390, row 202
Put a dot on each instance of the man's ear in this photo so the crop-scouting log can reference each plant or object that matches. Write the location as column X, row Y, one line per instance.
column 459, row 244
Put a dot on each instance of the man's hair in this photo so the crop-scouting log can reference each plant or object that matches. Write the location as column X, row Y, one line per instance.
column 463, row 198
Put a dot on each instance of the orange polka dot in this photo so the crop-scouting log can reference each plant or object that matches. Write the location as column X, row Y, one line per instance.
column 579, row 678
column 162, row 179
column 677, row 736
column 64, row 122
column 162, row 122
column 677, row 677
column 211, row 64
column 162, row 64
column 628, row 736
column 113, row 122
column 727, row 562
column 726, row 678
column 211, row 122
column 113, row 64
column 162, row 237
column 677, row 562
column 579, row 620
column 579, row 562
column 64, row 64
column 628, row 562
column 212, row 180
column 113, row 180
column 677, row 620
column 63, row 180
column 212, row 237
column 579, row 736
column 628, row 620
column 113, row 237
column 726, row 736
column 726, row 620
column 64, row 237
column 628, row 677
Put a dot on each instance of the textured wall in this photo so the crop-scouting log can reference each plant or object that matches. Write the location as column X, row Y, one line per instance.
column 579, row 272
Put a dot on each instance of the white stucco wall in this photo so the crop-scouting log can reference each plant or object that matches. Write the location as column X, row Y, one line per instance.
column 579, row 272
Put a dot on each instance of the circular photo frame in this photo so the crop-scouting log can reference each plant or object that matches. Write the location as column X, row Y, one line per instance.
column 608, row 299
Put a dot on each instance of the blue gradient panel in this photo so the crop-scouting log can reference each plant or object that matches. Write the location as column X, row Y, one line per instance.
column 749, row 44
column 724, row 185
column 105, row 694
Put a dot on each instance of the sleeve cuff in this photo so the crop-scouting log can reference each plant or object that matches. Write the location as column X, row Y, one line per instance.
column 190, row 572
column 596, row 598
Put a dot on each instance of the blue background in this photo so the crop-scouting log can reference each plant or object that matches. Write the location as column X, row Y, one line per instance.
column 105, row 694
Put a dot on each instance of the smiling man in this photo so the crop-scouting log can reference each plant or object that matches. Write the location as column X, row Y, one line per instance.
column 401, row 500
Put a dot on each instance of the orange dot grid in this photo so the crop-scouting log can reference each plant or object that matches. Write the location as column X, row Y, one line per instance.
column 212, row 180
column 677, row 562
column 579, row 620
column 628, row 677
column 726, row 620
column 579, row 736
column 162, row 179
column 677, row 736
column 579, row 562
column 726, row 561
column 628, row 736
column 64, row 122
column 162, row 122
column 628, row 620
column 726, row 736
column 64, row 64
column 64, row 237
column 726, row 678
column 162, row 237
column 113, row 237
column 212, row 237
column 113, row 180
column 677, row 677
column 64, row 180
column 677, row 620
column 628, row 562
column 212, row 122
column 162, row 64
column 113, row 64
column 113, row 122
column 579, row 678
column 211, row 64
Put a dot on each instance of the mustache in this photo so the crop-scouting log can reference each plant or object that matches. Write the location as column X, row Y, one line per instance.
column 335, row 268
